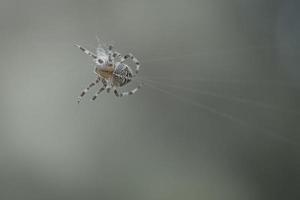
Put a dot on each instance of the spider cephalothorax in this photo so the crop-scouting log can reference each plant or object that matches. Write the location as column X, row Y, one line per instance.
column 111, row 70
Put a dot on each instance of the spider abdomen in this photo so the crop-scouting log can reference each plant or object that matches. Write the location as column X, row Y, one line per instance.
column 122, row 74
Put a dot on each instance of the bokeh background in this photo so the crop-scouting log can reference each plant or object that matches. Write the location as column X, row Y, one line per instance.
column 218, row 117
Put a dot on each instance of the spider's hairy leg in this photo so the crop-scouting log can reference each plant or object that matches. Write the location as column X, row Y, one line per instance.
column 116, row 55
column 108, row 85
column 87, row 89
column 86, row 51
column 134, row 59
column 100, row 90
column 108, row 88
column 131, row 92
column 110, row 53
column 116, row 91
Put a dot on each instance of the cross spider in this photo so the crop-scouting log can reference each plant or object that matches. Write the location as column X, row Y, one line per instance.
column 110, row 72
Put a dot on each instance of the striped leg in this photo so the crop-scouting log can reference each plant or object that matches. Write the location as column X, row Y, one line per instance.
column 100, row 90
column 87, row 89
column 86, row 51
column 110, row 53
column 128, row 93
column 116, row 55
column 116, row 92
column 134, row 59
column 108, row 89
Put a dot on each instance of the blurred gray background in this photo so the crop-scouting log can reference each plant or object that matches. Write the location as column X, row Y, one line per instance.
column 233, row 134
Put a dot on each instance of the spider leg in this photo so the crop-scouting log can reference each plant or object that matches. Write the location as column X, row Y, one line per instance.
column 100, row 90
column 116, row 55
column 116, row 92
column 131, row 92
column 87, row 89
column 108, row 85
column 134, row 59
column 86, row 51
column 110, row 53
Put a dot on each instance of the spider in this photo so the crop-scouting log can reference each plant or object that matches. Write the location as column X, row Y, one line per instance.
column 110, row 72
